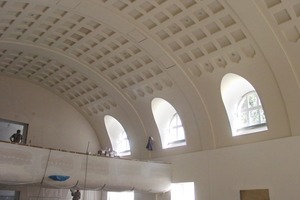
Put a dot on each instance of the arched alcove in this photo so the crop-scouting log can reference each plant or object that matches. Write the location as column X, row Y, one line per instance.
column 169, row 124
column 243, row 105
column 117, row 136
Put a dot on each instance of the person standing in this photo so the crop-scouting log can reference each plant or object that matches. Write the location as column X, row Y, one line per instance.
column 16, row 137
column 76, row 195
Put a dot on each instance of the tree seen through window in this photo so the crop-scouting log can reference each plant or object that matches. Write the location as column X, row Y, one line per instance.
column 250, row 111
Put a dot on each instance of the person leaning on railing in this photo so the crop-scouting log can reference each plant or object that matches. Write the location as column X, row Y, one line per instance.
column 16, row 137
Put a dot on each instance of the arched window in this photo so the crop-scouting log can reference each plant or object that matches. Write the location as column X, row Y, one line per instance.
column 243, row 106
column 169, row 124
column 117, row 136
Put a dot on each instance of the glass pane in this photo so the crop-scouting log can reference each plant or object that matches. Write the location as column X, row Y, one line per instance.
column 252, row 100
column 184, row 191
column 250, row 111
column 262, row 116
column 172, row 136
column 176, row 131
column 254, row 117
column 175, row 121
column 123, row 144
column 243, row 119
column 244, row 104
column 120, row 196
column 180, row 134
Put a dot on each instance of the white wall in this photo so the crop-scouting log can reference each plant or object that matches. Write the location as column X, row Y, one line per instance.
column 51, row 120
column 220, row 174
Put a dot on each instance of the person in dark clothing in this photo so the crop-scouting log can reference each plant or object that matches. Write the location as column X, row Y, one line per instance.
column 16, row 137
column 76, row 195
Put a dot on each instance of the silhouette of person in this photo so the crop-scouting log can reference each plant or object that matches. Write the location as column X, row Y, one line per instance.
column 16, row 137
column 76, row 195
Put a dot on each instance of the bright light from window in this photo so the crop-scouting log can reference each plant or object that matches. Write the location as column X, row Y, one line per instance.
column 184, row 191
column 123, row 145
column 168, row 123
column 250, row 115
column 250, row 111
column 175, row 135
column 243, row 106
column 120, row 195
column 117, row 136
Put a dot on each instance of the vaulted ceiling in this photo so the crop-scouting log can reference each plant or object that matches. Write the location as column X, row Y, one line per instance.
column 114, row 56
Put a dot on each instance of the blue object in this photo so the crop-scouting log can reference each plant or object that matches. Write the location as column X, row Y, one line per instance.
column 59, row 177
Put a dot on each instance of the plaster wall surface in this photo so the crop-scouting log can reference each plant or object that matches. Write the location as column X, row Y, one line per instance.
column 221, row 174
column 52, row 122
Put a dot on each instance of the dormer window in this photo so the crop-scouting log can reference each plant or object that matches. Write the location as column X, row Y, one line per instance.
column 117, row 136
column 243, row 105
column 169, row 124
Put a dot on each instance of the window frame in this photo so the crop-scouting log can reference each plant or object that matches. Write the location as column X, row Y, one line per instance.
column 174, row 130
column 258, row 107
column 127, row 144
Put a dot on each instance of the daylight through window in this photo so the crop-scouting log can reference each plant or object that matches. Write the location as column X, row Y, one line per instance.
column 117, row 136
column 250, row 111
column 176, row 132
column 184, row 191
column 243, row 105
column 120, row 195
column 168, row 123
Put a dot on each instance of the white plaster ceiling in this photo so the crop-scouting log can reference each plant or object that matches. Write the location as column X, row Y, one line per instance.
column 114, row 56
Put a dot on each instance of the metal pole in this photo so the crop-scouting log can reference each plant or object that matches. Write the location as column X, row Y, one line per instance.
column 44, row 174
column 86, row 165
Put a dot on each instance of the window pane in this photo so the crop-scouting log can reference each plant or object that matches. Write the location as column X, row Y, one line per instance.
column 120, row 195
column 254, row 117
column 123, row 143
column 243, row 118
column 184, row 191
column 252, row 100
column 262, row 116
column 180, row 135
column 244, row 104
column 250, row 111
column 176, row 131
